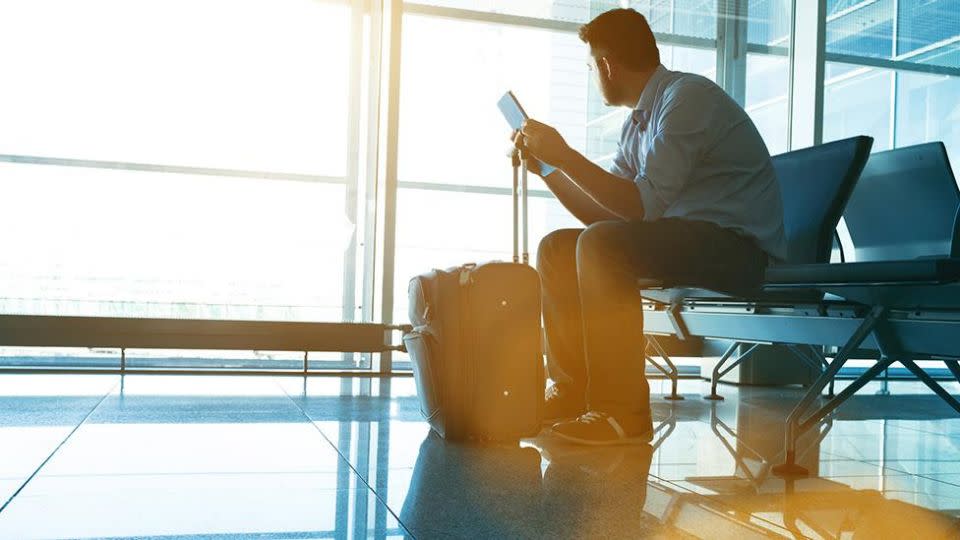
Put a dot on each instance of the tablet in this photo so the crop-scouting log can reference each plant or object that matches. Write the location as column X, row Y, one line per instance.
column 515, row 116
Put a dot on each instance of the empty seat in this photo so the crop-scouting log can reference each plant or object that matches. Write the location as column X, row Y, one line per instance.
column 904, row 206
column 904, row 221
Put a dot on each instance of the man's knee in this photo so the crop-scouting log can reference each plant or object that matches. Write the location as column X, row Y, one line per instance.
column 604, row 239
column 557, row 246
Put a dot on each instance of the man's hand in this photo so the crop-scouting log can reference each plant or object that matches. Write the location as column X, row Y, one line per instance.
column 533, row 165
column 544, row 142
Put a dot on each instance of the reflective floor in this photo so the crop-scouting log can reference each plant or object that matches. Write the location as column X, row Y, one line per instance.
column 225, row 457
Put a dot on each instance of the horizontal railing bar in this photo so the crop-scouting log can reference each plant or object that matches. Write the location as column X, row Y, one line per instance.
column 146, row 333
column 211, row 371
column 898, row 65
column 773, row 50
column 171, row 169
column 570, row 27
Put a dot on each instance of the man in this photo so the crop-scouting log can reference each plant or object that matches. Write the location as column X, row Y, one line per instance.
column 691, row 197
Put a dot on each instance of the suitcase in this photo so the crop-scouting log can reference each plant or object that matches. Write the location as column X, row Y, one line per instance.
column 475, row 344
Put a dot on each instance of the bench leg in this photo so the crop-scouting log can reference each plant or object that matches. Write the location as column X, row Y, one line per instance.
column 934, row 385
column 809, row 355
column 719, row 370
column 672, row 373
column 797, row 424
column 954, row 367
column 884, row 384
column 818, row 354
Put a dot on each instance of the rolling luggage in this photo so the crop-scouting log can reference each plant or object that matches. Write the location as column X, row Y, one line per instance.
column 475, row 344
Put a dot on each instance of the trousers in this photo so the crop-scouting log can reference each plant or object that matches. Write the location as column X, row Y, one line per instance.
column 592, row 310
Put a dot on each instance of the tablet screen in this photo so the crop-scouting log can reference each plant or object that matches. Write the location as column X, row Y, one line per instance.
column 515, row 116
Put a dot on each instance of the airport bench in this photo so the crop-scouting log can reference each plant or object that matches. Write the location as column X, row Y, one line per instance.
column 887, row 301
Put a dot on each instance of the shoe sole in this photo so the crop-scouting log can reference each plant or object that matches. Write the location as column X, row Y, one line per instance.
column 643, row 439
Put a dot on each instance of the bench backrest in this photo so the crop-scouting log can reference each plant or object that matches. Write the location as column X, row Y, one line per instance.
column 815, row 184
column 905, row 206
column 955, row 248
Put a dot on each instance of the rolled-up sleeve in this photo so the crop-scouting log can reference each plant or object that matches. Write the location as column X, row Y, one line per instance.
column 680, row 134
column 621, row 165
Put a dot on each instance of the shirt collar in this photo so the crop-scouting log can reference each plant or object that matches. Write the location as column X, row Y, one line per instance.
column 641, row 113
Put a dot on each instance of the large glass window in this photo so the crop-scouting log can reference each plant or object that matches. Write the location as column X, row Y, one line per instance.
column 857, row 101
column 178, row 158
column 454, row 203
column 451, row 131
column 688, row 18
column 928, row 109
column 893, row 72
column 206, row 83
column 101, row 242
column 767, row 67
column 217, row 159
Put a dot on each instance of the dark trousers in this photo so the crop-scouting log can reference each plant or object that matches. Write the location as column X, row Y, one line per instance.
column 591, row 301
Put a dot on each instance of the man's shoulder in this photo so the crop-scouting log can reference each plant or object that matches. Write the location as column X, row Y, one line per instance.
column 681, row 84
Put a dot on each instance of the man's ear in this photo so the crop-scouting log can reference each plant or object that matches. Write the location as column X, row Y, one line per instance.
column 605, row 67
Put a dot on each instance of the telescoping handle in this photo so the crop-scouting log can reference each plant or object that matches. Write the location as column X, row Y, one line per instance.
column 515, row 163
column 520, row 208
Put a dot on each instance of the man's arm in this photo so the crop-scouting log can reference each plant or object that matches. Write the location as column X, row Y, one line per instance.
column 570, row 195
column 617, row 196
column 574, row 199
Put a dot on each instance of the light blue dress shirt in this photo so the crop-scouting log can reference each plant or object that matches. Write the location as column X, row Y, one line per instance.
column 695, row 154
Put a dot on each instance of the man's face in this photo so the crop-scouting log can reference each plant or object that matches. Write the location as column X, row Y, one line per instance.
column 600, row 67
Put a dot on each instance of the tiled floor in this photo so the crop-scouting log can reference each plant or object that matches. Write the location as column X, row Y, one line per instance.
column 210, row 456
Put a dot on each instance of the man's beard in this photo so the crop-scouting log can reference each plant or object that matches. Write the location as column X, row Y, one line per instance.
column 611, row 92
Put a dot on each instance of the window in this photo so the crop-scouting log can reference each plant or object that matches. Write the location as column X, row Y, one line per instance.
column 893, row 72
column 454, row 204
column 857, row 101
column 767, row 68
column 177, row 159
column 215, row 159
column 210, row 83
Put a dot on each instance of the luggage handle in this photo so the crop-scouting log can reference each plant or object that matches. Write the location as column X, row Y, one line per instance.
column 518, row 159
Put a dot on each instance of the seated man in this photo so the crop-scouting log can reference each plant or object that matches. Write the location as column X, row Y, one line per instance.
column 691, row 196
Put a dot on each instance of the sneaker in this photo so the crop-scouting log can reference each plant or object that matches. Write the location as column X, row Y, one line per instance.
column 600, row 429
column 561, row 404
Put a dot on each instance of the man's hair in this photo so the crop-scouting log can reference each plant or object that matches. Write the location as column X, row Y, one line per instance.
column 625, row 36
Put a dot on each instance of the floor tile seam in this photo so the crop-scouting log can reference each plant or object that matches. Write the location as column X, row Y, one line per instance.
column 346, row 460
column 59, row 446
column 874, row 461
column 886, row 466
column 927, row 476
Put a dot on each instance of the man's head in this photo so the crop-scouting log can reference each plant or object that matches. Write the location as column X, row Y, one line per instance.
column 622, row 49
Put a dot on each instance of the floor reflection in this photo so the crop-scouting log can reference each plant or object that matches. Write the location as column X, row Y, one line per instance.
column 226, row 457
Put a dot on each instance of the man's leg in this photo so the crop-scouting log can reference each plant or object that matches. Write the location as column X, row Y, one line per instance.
column 611, row 256
column 566, row 364
column 607, row 256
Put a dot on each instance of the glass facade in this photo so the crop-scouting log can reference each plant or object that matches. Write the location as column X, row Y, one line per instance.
column 235, row 171
column 893, row 72
column 176, row 159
